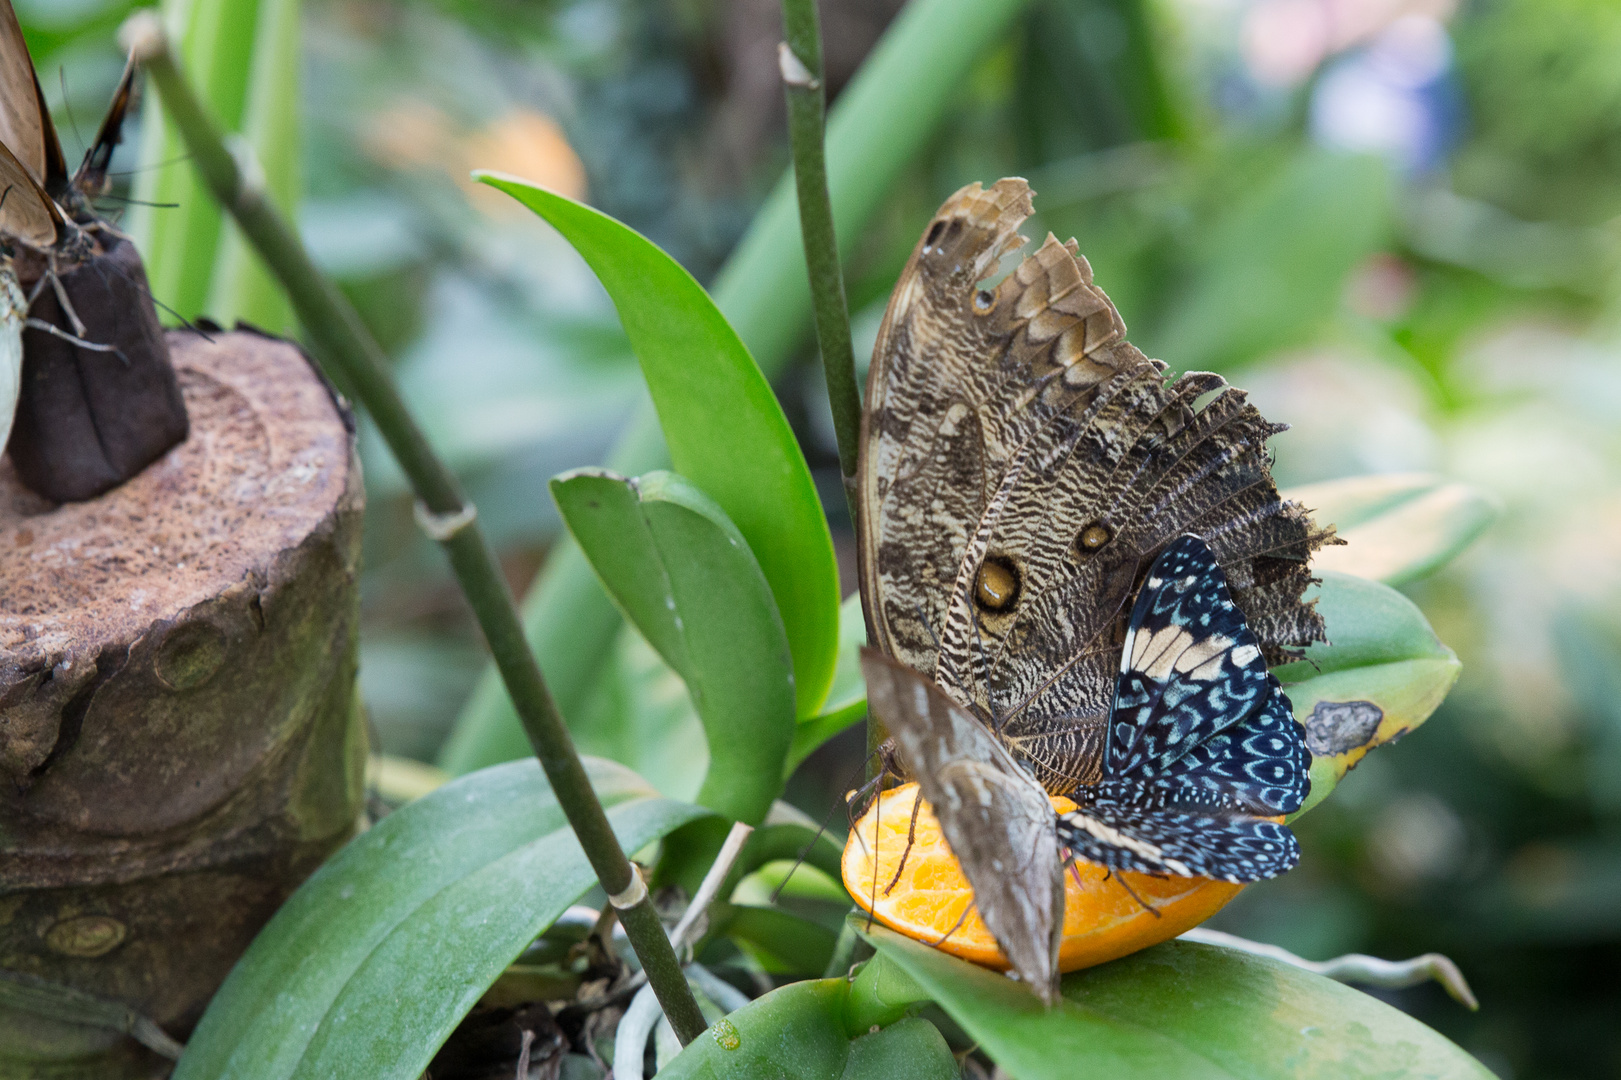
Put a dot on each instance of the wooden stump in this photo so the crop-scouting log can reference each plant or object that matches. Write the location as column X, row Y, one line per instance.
column 180, row 743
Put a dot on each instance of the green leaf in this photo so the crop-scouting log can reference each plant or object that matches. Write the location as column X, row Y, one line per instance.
column 243, row 58
column 785, row 943
column 685, row 578
column 1272, row 269
column 724, row 428
column 242, row 287
column 641, row 716
column 1396, row 528
column 796, row 1032
column 887, row 113
column 1381, row 675
column 910, row 1049
column 846, row 703
column 1180, row 1010
column 375, row 959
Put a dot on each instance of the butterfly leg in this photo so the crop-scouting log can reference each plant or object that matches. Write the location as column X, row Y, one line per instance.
column 911, row 835
column 1133, row 894
column 57, row 331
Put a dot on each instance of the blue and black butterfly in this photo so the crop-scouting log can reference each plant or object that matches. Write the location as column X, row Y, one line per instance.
column 1203, row 757
column 1203, row 749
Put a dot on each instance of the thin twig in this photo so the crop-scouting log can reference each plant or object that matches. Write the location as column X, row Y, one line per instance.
column 711, row 883
column 1357, row 968
column 800, row 61
column 339, row 339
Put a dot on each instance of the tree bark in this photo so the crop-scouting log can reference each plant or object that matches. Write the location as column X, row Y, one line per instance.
column 180, row 744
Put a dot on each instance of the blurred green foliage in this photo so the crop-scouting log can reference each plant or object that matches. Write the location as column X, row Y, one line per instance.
column 1448, row 303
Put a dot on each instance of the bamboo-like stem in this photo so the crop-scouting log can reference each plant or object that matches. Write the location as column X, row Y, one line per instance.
column 800, row 60
column 340, row 339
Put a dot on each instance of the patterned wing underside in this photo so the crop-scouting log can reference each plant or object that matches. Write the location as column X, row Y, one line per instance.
column 998, row 821
column 1004, row 422
column 1203, row 746
column 1193, row 842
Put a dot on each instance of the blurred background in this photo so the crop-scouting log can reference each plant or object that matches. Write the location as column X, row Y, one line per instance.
column 1397, row 222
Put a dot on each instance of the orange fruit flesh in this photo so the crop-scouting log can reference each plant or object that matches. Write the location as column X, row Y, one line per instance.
column 1102, row 920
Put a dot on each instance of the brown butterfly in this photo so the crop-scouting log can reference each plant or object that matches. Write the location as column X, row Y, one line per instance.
column 1022, row 468
column 41, row 198
column 99, row 399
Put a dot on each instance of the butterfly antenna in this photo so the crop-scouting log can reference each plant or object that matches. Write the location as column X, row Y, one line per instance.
column 911, row 835
column 805, row 851
column 956, row 925
column 67, row 104
column 127, row 200
column 148, row 168
column 917, row 609
column 187, row 323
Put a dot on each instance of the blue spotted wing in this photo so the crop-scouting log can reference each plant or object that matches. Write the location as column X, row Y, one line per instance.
column 1203, row 747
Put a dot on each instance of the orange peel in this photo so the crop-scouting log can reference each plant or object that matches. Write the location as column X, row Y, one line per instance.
column 1102, row 920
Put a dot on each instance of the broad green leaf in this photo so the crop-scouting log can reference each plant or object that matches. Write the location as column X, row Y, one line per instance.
column 243, row 58
column 909, row 1049
column 1381, row 675
column 798, row 1032
column 887, row 113
column 1398, row 527
column 375, row 959
column 641, row 715
column 1176, row 1010
column 847, row 700
column 685, row 578
column 1272, row 269
column 242, row 288
column 724, row 428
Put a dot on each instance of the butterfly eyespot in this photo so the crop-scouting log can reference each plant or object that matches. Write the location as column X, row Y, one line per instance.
column 984, row 302
column 1092, row 537
column 934, row 235
column 996, row 585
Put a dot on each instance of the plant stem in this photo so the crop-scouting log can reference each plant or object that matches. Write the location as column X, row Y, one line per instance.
column 340, row 339
column 800, row 59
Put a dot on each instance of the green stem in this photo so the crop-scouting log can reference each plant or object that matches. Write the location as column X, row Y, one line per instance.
column 800, row 60
column 341, row 340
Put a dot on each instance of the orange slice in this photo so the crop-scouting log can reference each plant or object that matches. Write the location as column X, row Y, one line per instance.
column 1101, row 919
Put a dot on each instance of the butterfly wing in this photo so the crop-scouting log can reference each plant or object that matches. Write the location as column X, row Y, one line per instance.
column 25, row 123
column 91, row 177
column 1005, row 427
column 1191, row 841
column 1189, row 668
column 1203, row 745
column 13, row 310
column 998, row 821
column 26, row 212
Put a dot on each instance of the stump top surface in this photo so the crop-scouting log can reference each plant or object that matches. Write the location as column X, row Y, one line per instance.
column 267, row 460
